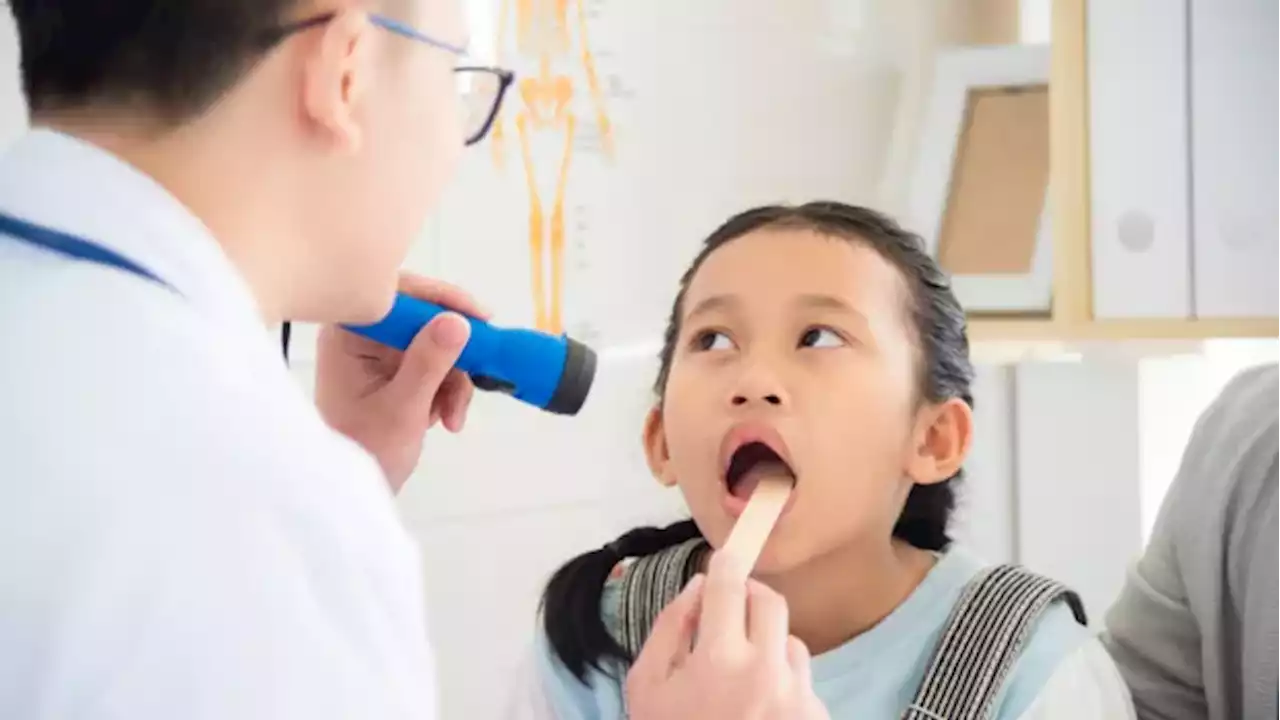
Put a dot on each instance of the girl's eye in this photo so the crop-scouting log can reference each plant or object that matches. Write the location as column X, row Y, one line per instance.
column 712, row 340
column 820, row 337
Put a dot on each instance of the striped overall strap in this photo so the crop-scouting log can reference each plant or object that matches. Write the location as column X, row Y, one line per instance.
column 981, row 641
column 649, row 584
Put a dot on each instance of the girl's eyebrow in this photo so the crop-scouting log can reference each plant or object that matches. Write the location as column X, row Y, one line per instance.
column 831, row 302
column 713, row 303
column 826, row 302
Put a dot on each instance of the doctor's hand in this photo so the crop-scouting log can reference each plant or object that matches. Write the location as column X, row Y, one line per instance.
column 745, row 665
column 386, row 400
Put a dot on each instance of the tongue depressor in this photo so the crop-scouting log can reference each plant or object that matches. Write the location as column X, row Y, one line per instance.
column 746, row 540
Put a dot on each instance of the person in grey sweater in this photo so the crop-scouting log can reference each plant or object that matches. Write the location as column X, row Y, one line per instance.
column 1194, row 629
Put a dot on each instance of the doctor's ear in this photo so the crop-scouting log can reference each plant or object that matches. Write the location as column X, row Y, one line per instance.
column 336, row 75
column 655, row 448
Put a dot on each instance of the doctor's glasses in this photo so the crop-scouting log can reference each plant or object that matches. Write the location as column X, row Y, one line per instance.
column 480, row 88
column 480, row 93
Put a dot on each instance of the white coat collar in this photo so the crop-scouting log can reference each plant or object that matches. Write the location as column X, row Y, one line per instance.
column 55, row 180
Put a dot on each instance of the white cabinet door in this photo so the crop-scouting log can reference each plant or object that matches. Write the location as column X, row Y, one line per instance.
column 1076, row 462
column 1137, row 55
column 1234, row 153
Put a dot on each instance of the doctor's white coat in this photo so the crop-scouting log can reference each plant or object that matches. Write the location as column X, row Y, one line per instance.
column 181, row 536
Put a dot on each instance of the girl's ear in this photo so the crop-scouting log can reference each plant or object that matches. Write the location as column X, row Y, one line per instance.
column 941, row 442
column 655, row 448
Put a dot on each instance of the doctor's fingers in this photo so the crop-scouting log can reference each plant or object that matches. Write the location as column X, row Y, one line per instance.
column 768, row 624
column 800, row 661
column 442, row 293
column 426, row 364
column 722, row 618
column 453, row 400
column 669, row 641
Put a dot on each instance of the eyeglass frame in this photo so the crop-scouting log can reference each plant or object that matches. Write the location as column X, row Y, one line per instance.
column 505, row 77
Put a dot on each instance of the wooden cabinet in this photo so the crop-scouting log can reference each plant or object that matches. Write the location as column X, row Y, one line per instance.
column 1163, row 173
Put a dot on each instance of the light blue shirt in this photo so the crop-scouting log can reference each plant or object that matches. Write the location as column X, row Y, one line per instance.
column 874, row 675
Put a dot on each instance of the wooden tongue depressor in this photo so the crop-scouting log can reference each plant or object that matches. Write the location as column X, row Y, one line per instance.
column 746, row 540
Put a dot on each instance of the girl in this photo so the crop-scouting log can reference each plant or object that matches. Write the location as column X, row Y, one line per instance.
column 823, row 339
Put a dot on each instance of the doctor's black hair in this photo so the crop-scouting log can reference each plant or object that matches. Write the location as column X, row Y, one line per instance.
column 170, row 58
column 570, row 609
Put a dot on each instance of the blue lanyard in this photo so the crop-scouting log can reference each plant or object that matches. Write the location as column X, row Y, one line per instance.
column 72, row 247
column 80, row 249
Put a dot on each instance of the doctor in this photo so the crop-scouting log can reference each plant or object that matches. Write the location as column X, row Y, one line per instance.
column 182, row 534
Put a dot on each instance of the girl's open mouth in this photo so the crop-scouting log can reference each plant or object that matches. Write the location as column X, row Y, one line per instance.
column 751, row 453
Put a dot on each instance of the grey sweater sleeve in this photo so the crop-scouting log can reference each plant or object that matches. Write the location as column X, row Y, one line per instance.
column 1153, row 637
column 1194, row 630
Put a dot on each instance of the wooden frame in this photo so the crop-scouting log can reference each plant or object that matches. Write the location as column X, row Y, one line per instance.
column 961, row 79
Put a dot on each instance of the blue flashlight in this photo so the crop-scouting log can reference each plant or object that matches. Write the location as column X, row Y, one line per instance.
column 552, row 372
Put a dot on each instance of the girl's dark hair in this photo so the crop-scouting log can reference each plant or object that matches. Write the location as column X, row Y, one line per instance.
column 571, row 602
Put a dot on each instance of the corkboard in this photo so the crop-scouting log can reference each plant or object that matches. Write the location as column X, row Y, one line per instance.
column 998, row 183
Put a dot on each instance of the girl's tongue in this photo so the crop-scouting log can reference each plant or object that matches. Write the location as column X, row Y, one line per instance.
column 746, row 485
